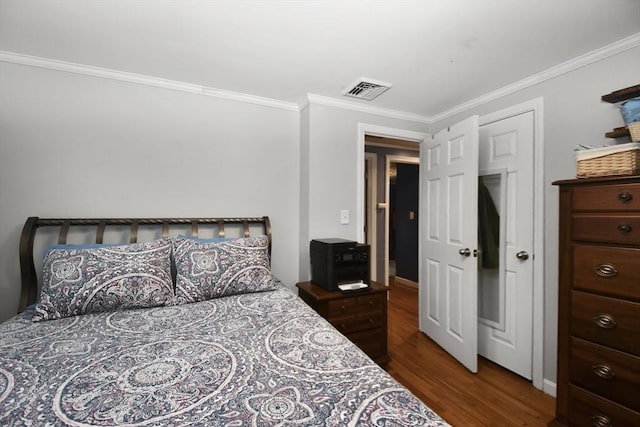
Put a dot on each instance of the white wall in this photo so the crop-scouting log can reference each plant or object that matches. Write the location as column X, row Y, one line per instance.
column 79, row 146
column 573, row 113
column 331, row 186
column 304, row 190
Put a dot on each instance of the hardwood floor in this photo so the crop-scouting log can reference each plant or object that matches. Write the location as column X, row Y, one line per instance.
column 492, row 397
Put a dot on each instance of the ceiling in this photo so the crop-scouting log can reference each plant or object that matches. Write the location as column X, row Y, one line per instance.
column 436, row 53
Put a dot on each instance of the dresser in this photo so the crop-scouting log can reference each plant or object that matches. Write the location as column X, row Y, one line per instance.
column 598, row 377
column 361, row 316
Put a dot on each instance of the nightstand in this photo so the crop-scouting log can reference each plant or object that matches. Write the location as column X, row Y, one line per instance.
column 361, row 316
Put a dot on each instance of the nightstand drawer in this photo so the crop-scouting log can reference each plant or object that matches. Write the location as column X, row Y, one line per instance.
column 355, row 306
column 360, row 323
column 609, row 270
column 588, row 409
column 608, row 321
column 340, row 308
column 607, row 228
column 371, row 303
column 607, row 198
column 609, row 373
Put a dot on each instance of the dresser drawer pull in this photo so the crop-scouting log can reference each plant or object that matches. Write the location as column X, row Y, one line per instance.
column 624, row 228
column 343, row 308
column 605, row 321
column 603, row 371
column 600, row 420
column 606, row 270
column 625, row 196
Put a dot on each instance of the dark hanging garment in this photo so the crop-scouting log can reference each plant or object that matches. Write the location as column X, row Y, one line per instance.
column 488, row 229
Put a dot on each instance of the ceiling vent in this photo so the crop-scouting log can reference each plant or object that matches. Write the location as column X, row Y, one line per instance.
column 365, row 88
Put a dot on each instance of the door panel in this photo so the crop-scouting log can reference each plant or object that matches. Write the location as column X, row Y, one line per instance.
column 507, row 146
column 448, row 275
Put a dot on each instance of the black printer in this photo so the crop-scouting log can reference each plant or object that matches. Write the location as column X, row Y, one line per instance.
column 338, row 261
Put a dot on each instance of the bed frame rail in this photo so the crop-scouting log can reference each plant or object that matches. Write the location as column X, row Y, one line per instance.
column 29, row 291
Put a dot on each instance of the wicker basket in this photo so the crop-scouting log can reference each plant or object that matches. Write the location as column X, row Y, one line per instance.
column 623, row 159
column 634, row 131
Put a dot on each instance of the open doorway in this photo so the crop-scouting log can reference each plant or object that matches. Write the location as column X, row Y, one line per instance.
column 391, row 208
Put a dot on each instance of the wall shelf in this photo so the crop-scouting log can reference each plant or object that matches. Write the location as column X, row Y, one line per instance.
column 620, row 132
column 622, row 94
column 618, row 96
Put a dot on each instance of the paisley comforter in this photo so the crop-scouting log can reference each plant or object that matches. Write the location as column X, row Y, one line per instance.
column 261, row 359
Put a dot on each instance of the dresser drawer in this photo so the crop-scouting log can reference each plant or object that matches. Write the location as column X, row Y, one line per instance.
column 609, row 228
column 609, row 270
column 609, row 373
column 608, row 321
column 587, row 409
column 607, row 198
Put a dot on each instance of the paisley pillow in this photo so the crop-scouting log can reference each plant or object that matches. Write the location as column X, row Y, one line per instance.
column 208, row 270
column 90, row 280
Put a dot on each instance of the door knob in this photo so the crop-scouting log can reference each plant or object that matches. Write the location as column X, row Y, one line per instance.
column 465, row 252
column 522, row 255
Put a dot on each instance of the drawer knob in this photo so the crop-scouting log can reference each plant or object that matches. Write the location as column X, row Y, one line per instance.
column 603, row 371
column 624, row 228
column 606, row 270
column 604, row 320
column 625, row 197
column 600, row 420
column 343, row 308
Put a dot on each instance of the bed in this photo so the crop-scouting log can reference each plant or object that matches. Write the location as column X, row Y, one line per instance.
column 215, row 341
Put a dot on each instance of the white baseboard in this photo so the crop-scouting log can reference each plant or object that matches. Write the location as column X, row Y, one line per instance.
column 549, row 387
column 406, row 282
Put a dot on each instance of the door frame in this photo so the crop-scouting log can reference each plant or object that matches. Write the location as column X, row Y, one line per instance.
column 370, row 211
column 385, row 132
column 392, row 158
column 535, row 106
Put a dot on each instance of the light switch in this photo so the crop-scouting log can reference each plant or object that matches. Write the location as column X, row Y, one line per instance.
column 344, row 216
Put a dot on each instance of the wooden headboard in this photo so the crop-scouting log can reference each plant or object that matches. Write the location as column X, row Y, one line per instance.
column 223, row 226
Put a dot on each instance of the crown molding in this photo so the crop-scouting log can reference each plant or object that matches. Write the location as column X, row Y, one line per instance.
column 105, row 73
column 558, row 70
column 338, row 103
column 303, row 103
column 550, row 73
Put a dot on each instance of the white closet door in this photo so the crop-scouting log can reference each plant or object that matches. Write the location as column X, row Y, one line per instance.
column 449, row 233
column 506, row 338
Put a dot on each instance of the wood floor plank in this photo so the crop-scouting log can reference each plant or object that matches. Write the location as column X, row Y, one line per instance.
column 492, row 397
